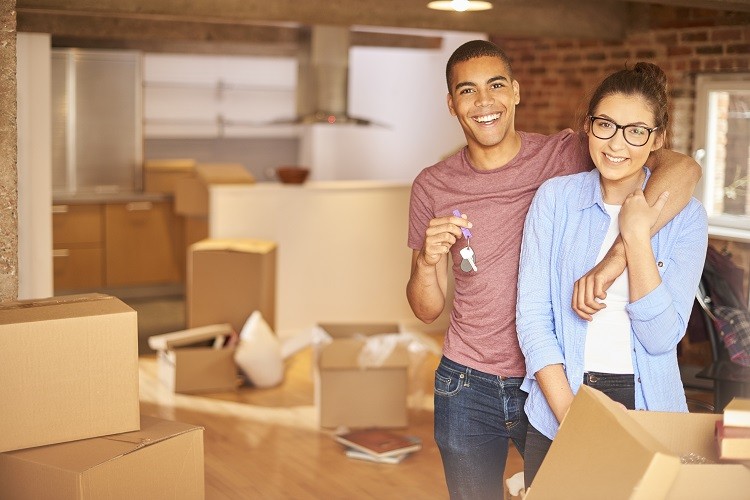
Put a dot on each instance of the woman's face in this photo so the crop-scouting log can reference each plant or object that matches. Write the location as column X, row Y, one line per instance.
column 616, row 159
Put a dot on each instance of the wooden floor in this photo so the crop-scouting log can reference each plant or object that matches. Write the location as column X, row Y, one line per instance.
column 265, row 443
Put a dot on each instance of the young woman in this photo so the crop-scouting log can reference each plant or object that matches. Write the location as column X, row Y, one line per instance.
column 628, row 350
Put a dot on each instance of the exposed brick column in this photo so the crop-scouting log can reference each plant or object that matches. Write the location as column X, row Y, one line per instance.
column 8, row 154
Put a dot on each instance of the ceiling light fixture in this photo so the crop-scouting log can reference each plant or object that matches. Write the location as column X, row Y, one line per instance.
column 460, row 5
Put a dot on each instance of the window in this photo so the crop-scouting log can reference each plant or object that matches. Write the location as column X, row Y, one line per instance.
column 722, row 146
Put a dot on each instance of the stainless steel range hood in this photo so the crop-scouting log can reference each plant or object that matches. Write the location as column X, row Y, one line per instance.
column 323, row 78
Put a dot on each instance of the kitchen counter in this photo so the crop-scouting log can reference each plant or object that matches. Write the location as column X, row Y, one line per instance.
column 107, row 197
column 351, row 185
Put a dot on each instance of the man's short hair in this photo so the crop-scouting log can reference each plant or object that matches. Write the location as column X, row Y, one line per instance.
column 472, row 50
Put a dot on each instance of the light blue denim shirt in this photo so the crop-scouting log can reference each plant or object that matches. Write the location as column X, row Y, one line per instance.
column 564, row 231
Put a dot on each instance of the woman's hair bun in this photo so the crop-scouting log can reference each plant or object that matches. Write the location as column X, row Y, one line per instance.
column 651, row 71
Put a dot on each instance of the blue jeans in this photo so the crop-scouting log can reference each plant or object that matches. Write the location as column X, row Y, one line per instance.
column 620, row 388
column 476, row 414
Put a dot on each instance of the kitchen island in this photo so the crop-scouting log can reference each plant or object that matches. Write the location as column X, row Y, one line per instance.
column 342, row 252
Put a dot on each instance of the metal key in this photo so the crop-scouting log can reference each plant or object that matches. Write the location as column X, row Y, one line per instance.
column 468, row 263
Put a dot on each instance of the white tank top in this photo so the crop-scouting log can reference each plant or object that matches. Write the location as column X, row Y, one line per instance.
column 608, row 342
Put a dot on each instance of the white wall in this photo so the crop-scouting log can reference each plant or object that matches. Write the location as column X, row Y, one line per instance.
column 34, row 166
column 405, row 90
column 342, row 254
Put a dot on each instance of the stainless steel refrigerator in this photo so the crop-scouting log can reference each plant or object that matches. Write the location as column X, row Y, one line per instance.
column 97, row 144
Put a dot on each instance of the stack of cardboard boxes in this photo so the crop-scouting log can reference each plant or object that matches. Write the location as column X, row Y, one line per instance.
column 70, row 427
column 227, row 280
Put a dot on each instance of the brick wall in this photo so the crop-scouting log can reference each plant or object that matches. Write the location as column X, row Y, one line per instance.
column 557, row 75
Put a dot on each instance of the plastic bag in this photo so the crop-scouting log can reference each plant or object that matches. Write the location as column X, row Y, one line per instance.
column 258, row 353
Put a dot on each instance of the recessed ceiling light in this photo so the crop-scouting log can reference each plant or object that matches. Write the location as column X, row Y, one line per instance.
column 460, row 5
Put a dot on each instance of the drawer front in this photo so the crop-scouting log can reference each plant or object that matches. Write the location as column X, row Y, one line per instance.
column 78, row 268
column 77, row 225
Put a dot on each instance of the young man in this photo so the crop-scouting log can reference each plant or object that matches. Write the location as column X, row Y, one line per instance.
column 490, row 183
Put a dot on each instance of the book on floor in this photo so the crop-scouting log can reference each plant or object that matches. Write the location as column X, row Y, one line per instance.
column 737, row 413
column 733, row 443
column 379, row 442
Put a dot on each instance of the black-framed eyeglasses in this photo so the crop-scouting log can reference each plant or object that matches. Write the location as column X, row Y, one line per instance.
column 635, row 135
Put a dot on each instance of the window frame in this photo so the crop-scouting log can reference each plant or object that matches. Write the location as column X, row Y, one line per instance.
column 735, row 227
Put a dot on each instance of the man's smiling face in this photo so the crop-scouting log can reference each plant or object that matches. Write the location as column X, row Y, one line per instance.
column 483, row 97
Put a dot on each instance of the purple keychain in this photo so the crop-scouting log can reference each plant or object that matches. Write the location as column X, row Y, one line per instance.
column 467, row 253
column 465, row 230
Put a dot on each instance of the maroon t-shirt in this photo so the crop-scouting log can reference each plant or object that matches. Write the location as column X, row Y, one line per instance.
column 482, row 330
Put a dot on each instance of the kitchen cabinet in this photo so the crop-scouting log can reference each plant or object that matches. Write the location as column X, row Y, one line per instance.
column 137, row 242
column 143, row 241
column 77, row 246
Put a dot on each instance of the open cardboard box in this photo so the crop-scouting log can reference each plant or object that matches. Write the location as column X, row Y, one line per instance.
column 68, row 370
column 602, row 451
column 187, row 364
column 163, row 460
column 351, row 395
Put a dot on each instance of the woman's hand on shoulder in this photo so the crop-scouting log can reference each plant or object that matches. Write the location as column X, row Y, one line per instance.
column 637, row 217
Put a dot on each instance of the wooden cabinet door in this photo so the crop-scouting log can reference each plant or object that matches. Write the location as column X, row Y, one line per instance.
column 143, row 241
column 77, row 239
column 77, row 268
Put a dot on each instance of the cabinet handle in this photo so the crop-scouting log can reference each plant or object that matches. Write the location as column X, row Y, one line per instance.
column 139, row 206
column 61, row 253
column 59, row 209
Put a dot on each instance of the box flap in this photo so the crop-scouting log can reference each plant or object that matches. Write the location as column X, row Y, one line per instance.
column 343, row 330
column 600, row 451
column 684, row 434
column 64, row 306
column 82, row 455
column 170, row 165
column 224, row 173
column 189, row 336
column 344, row 353
column 234, row 245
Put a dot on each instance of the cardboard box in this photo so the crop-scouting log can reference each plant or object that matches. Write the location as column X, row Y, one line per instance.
column 228, row 279
column 191, row 194
column 68, row 370
column 186, row 364
column 603, row 451
column 196, row 229
column 351, row 395
column 163, row 460
column 161, row 176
